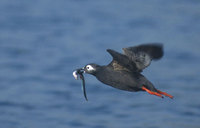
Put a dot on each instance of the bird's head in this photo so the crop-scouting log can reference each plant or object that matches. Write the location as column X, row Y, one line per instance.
column 91, row 68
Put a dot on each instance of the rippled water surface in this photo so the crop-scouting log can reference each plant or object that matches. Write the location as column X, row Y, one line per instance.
column 42, row 42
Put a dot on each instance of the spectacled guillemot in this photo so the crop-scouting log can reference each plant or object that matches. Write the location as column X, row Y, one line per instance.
column 124, row 71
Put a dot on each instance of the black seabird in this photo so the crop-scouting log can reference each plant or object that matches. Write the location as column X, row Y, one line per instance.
column 124, row 72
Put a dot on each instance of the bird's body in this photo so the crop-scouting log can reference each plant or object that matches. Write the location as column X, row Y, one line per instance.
column 131, row 81
column 124, row 71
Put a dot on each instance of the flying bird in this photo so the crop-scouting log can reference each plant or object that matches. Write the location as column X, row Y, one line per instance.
column 124, row 71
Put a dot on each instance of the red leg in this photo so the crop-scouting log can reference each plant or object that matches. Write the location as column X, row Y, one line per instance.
column 151, row 92
column 164, row 93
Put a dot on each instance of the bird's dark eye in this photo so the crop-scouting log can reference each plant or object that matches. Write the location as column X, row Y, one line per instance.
column 88, row 67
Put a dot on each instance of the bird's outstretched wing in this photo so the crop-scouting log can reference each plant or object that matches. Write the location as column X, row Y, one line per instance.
column 136, row 58
column 142, row 55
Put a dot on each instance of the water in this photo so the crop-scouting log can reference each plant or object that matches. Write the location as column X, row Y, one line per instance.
column 42, row 42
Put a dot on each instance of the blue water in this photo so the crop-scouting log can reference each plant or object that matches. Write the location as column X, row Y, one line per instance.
column 43, row 41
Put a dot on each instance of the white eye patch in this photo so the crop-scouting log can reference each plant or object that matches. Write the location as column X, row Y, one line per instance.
column 90, row 68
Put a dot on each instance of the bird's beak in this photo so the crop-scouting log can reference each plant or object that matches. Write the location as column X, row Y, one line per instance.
column 80, row 73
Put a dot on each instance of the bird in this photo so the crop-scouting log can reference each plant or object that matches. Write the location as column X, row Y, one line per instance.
column 124, row 72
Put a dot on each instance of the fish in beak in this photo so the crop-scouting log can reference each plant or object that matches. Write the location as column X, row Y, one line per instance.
column 79, row 73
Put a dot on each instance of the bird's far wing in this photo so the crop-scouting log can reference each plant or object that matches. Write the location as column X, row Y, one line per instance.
column 120, row 61
column 142, row 55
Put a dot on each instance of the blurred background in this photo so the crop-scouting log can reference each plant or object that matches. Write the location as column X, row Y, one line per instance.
column 43, row 41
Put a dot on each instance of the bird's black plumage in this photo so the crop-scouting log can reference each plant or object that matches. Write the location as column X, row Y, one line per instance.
column 124, row 71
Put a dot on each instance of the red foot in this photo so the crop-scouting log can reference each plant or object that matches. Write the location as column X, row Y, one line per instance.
column 152, row 93
column 164, row 93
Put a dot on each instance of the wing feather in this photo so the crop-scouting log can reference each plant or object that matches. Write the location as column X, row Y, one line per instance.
column 142, row 55
column 136, row 58
column 121, row 62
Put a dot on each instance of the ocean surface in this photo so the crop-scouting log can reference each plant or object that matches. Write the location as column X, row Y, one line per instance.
column 43, row 41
